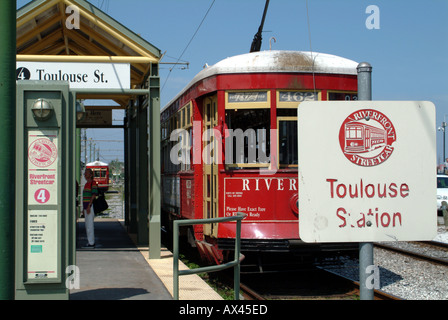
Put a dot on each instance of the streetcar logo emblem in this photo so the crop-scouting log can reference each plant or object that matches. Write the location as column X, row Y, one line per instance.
column 42, row 152
column 366, row 137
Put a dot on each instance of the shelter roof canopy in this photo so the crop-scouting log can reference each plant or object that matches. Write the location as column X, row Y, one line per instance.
column 48, row 31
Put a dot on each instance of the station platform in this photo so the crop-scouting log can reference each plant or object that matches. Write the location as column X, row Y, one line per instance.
column 117, row 269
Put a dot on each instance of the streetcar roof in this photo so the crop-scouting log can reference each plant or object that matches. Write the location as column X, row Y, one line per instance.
column 277, row 61
column 96, row 163
column 282, row 61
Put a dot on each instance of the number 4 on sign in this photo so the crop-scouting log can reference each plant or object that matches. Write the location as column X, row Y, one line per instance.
column 42, row 195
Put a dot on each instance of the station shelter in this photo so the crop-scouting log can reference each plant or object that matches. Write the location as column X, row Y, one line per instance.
column 104, row 60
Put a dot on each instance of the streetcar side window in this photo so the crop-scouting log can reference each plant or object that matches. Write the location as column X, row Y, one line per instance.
column 339, row 95
column 187, row 139
column 165, row 146
column 248, row 138
column 288, row 102
column 287, row 142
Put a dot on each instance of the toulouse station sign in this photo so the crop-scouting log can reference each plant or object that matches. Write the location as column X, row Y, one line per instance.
column 367, row 171
column 79, row 75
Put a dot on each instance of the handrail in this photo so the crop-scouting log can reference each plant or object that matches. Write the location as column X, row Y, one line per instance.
column 235, row 263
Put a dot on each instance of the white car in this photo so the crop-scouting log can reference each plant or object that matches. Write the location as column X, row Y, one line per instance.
column 442, row 191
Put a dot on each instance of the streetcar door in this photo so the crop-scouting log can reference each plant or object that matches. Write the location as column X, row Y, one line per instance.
column 367, row 140
column 210, row 175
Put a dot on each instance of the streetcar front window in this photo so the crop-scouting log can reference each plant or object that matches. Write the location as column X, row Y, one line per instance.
column 247, row 138
column 353, row 133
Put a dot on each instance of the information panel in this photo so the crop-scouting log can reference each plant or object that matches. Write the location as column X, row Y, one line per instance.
column 42, row 244
column 367, row 171
column 42, row 221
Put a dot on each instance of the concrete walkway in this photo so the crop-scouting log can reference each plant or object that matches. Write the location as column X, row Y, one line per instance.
column 116, row 269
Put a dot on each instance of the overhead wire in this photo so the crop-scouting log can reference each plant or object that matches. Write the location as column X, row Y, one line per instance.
column 189, row 42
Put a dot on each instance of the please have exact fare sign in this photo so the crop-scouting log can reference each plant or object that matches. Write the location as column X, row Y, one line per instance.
column 367, row 171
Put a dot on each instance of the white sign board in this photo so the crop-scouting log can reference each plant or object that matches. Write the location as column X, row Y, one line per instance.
column 42, row 224
column 79, row 75
column 367, row 171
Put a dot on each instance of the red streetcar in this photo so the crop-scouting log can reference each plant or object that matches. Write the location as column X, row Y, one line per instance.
column 100, row 174
column 229, row 144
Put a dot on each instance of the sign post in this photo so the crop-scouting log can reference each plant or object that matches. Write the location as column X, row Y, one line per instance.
column 365, row 248
column 45, row 196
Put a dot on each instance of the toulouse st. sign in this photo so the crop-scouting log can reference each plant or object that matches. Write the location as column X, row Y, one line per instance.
column 78, row 75
column 367, row 171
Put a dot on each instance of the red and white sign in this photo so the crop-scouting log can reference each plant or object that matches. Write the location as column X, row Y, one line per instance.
column 42, row 152
column 42, row 167
column 367, row 171
column 42, row 195
column 366, row 137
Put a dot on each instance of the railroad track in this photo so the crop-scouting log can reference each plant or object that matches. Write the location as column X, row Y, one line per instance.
column 350, row 292
column 352, row 287
column 377, row 294
column 418, row 255
column 250, row 294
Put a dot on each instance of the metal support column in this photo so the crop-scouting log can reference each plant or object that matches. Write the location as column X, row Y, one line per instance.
column 142, row 169
column 78, row 169
column 7, row 134
column 365, row 248
column 126, row 171
column 154, row 163
column 132, row 172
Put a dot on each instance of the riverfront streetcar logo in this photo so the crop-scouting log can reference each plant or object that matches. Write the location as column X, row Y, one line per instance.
column 42, row 152
column 366, row 137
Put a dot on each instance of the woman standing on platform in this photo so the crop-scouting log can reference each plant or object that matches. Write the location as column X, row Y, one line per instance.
column 88, row 195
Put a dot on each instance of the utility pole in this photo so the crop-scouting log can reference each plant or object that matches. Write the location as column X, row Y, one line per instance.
column 7, row 141
column 443, row 128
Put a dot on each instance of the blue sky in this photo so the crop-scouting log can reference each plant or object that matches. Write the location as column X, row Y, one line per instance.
column 408, row 52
